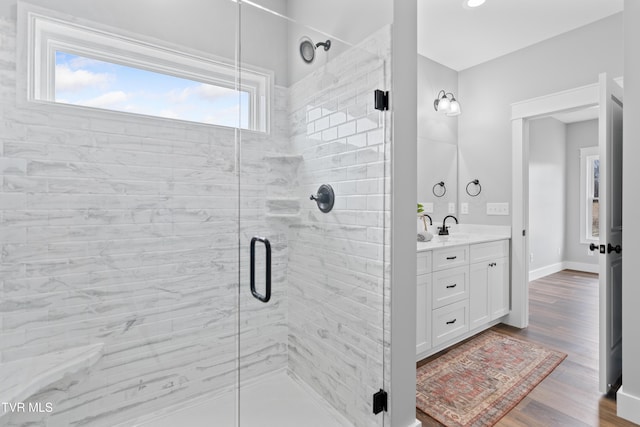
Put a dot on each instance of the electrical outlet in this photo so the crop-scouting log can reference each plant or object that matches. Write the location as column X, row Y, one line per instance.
column 531, row 257
column 428, row 207
column 464, row 208
column 497, row 208
column 452, row 208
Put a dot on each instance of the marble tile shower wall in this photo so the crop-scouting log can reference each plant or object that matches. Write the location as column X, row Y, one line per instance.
column 123, row 230
column 336, row 263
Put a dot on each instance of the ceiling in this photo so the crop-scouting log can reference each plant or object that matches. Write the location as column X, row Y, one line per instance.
column 459, row 37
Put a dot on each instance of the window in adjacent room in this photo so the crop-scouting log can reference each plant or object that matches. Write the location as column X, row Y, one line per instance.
column 589, row 195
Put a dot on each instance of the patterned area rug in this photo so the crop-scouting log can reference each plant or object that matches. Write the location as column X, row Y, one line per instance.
column 478, row 382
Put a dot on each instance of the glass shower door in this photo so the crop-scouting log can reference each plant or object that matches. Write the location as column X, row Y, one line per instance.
column 312, row 267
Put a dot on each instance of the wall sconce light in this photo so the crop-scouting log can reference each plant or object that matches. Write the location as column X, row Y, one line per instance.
column 446, row 103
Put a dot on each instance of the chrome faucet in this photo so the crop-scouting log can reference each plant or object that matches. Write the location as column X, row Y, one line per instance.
column 444, row 230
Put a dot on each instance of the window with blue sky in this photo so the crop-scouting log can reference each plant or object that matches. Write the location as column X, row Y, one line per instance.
column 93, row 83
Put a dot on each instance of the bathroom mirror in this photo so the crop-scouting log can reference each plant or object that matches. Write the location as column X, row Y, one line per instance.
column 437, row 158
column 437, row 163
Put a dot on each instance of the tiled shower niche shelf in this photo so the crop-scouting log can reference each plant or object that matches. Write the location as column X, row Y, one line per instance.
column 283, row 207
column 21, row 379
column 291, row 159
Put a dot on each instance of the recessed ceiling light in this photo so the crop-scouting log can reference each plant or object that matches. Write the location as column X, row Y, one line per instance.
column 474, row 3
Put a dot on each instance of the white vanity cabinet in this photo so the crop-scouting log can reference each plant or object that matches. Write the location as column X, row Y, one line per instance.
column 489, row 277
column 462, row 290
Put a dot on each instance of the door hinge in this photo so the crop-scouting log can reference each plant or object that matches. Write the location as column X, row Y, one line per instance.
column 524, row 233
column 381, row 100
column 380, row 401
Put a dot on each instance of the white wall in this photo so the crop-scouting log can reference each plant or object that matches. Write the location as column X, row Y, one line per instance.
column 346, row 23
column 547, row 188
column 437, row 137
column 207, row 26
column 402, row 254
column 487, row 90
column 629, row 395
column 579, row 135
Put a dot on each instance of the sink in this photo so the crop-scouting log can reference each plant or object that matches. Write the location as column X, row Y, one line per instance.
column 456, row 237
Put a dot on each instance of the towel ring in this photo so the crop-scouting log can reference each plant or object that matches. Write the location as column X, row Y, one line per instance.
column 477, row 184
column 441, row 192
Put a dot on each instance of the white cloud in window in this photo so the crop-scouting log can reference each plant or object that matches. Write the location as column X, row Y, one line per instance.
column 78, row 62
column 76, row 80
column 211, row 92
column 202, row 91
column 108, row 100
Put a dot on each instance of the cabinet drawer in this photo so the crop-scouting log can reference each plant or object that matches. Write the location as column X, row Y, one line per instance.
column 489, row 251
column 450, row 257
column 450, row 286
column 450, row 321
column 424, row 263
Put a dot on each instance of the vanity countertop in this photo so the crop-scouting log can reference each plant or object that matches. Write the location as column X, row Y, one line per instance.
column 466, row 234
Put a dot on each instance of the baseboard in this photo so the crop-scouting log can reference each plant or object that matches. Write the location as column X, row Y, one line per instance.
column 545, row 271
column 628, row 406
column 582, row 266
column 564, row 265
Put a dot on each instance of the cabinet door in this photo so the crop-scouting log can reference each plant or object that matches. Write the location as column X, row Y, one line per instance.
column 423, row 330
column 499, row 287
column 423, row 263
column 479, row 303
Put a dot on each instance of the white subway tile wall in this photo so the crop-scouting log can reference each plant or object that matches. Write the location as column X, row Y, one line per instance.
column 336, row 298
column 124, row 230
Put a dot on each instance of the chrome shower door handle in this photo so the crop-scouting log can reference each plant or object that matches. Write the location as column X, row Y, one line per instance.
column 267, row 293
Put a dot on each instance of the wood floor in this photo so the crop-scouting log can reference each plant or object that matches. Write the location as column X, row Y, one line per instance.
column 563, row 315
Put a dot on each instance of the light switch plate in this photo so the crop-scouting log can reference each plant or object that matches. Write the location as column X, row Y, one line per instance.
column 464, row 208
column 497, row 208
column 428, row 207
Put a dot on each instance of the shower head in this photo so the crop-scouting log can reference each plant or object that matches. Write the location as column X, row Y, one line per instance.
column 308, row 49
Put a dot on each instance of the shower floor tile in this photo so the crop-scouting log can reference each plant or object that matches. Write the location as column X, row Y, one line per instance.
column 276, row 401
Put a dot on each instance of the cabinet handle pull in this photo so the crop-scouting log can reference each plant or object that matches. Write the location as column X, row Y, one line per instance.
column 451, row 322
column 452, row 286
column 452, row 257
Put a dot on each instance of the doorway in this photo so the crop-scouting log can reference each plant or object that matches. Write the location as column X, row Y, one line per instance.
column 607, row 94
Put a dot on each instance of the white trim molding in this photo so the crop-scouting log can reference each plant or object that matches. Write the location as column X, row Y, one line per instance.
column 582, row 266
column 560, row 266
column 580, row 97
column 628, row 406
column 545, row 271
column 521, row 113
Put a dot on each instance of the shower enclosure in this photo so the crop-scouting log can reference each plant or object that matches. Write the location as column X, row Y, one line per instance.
column 162, row 260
